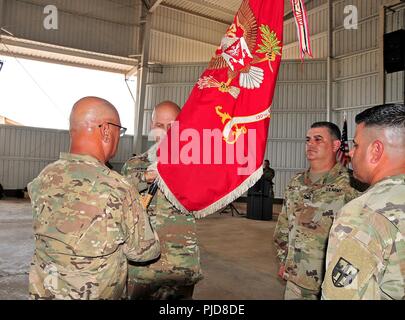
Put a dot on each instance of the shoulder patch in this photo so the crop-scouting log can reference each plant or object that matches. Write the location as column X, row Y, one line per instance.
column 350, row 269
column 343, row 273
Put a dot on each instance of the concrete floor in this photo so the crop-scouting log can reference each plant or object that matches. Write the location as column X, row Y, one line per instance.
column 16, row 247
column 237, row 255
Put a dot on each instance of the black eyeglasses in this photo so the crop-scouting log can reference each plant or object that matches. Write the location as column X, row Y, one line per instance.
column 122, row 129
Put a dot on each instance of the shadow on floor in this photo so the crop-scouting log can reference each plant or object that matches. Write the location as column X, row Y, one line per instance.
column 237, row 255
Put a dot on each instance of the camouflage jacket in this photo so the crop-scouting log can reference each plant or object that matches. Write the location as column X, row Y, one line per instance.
column 303, row 226
column 87, row 223
column 366, row 251
column 134, row 169
column 268, row 173
column 180, row 258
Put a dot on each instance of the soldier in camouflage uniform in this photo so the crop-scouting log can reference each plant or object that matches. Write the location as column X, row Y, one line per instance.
column 311, row 201
column 366, row 250
column 178, row 269
column 268, row 174
column 87, row 218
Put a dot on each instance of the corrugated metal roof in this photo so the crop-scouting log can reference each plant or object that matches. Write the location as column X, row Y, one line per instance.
column 222, row 11
column 187, row 32
column 13, row 46
column 229, row 5
column 105, row 26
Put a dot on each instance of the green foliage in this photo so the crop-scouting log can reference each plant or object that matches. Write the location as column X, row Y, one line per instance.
column 270, row 42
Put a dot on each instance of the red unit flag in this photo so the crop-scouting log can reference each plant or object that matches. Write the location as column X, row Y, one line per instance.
column 214, row 151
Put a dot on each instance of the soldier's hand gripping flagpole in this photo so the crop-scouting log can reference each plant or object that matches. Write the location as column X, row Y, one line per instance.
column 147, row 198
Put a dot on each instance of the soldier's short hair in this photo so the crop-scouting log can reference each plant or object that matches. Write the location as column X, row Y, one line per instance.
column 333, row 128
column 385, row 116
column 166, row 102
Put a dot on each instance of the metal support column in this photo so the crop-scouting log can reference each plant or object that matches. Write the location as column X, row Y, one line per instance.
column 148, row 7
column 329, row 97
column 144, row 32
column 381, row 70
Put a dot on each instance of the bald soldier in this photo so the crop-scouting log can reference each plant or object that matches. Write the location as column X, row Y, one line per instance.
column 366, row 251
column 311, row 202
column 87, row 218
column 174, row 275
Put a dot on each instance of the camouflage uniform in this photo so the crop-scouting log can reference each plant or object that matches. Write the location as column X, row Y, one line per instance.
column 303, row 227
column 366, row 251
column 87, row 223
column 179, row 263
column 268, row 174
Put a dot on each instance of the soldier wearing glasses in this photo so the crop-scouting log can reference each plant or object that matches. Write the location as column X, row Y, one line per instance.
column 87, row 218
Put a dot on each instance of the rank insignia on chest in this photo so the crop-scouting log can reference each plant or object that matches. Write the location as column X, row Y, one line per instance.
column 343, row 273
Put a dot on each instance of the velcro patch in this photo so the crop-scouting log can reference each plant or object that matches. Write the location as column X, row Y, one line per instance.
column 349, row 271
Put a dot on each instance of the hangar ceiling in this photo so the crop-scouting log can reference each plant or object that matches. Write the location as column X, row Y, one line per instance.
column 220, row 10
column 112, row 30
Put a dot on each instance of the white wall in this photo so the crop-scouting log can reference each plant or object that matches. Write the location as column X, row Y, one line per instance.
column 25, row 151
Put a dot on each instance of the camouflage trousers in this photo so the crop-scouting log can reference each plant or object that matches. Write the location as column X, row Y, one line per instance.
column 177, row 269
column 161, row 292
column 294, row 292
